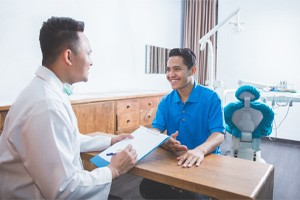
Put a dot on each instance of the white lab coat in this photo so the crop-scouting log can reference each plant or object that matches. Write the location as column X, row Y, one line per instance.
column 40, row 147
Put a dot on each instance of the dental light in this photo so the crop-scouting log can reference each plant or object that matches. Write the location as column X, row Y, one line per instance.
column 237, row 24
column 205, row 40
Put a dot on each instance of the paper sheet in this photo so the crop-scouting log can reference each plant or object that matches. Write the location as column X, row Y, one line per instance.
column 145, row 140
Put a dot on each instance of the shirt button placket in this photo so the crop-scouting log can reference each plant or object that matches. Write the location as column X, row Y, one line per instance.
column 183, row 114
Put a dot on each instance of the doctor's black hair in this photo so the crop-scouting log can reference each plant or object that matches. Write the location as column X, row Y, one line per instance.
column 189, row 57
column 58, row 34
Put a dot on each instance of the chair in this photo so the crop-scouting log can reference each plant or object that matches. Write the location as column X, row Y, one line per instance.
column 248, row 121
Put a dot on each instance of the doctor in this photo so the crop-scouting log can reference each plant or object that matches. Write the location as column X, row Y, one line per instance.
column 40, row 145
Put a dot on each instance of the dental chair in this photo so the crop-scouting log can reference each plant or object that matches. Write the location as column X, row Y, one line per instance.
column 248, row 121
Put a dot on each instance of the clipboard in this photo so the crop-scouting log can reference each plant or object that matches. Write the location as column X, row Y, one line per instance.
column 144, row 141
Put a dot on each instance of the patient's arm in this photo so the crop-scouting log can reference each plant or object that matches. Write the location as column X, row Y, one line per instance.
column 196, row 156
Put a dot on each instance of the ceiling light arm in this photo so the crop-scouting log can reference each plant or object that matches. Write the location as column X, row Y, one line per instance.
column 206, row 40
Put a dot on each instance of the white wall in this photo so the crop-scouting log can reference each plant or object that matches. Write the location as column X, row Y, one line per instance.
column 267, row 51
column 118, row 31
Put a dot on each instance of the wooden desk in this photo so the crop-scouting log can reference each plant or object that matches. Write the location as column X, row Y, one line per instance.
column 218, row 176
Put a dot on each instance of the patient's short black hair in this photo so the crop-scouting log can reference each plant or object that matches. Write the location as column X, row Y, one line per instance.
column 189, row 57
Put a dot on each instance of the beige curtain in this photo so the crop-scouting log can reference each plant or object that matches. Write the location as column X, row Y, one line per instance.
column 200, row 17
column 157, row 58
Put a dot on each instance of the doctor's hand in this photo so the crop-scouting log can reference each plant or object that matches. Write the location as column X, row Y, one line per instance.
column 120, row 137
column 191, row 157
column 174, row 145
column 123, row 161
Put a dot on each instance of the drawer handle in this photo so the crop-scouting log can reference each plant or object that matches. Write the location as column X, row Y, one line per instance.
column 128, row 106
column 128, row 120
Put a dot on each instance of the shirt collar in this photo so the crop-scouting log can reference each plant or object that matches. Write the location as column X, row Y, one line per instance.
column 53, row 80
column 193, row 95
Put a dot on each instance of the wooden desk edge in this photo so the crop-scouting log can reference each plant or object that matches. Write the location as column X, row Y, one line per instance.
column 264, row 189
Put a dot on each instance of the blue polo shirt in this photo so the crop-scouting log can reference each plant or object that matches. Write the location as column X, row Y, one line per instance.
column 195, row 120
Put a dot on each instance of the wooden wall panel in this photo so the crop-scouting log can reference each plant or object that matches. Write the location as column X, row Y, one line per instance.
column 2, row 118
column 98, row 116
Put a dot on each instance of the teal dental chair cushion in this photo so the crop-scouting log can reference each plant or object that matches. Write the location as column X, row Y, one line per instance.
column 264, row 128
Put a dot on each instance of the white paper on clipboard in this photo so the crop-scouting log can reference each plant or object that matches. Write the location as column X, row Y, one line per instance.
column 144, row 141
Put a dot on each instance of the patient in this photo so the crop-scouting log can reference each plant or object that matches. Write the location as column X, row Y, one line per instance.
column 40, row 145
column 193, row 116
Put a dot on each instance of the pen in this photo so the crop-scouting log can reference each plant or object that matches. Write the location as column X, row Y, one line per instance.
column 111, row 154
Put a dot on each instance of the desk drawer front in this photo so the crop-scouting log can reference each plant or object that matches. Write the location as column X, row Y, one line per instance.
column 148, row 110
column 148, row 103
column 127, row 121
column 2, row 119
column 147, row 116
column 131, row 105
column 127, row 115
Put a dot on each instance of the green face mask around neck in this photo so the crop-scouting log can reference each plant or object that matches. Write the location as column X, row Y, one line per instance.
column 68, row 89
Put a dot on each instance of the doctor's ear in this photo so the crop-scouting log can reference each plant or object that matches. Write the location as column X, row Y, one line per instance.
column 67, row 56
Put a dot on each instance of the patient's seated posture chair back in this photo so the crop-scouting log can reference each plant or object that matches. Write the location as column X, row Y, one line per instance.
column 247, row 121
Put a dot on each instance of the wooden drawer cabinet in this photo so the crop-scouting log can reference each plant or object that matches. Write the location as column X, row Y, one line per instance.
column 128, row 105
column 127, row 115
column 2, row 118
column 112, row 115
column 93, row 117
column 148, row 110
column 147, row 116
column 151, row 102
column 127, row 122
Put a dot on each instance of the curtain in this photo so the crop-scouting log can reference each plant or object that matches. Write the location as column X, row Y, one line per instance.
column 200, row 17
column 157, row 58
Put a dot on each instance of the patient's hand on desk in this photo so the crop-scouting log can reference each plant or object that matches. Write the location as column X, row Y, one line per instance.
column 123, row 161
column 190, row 158
column 174, row 145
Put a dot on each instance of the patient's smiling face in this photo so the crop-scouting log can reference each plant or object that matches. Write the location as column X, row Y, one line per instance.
column 177, row 73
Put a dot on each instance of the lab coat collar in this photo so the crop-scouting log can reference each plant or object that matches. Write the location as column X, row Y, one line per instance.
column 46, row 74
